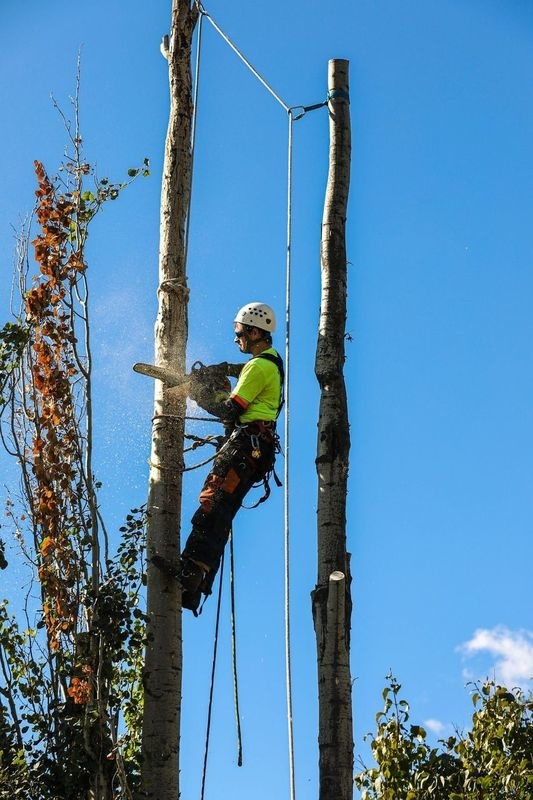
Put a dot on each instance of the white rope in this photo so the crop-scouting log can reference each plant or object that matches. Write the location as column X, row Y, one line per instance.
column 252, row 69
column 288, row 670
column 292, row 118
column 193, row 132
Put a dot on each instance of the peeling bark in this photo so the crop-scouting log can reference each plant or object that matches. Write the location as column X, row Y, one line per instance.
column 331, row 597
column 163, row 661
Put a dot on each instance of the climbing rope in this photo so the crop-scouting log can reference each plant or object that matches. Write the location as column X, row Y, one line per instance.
column 234, row 650
column 203, row 13
column 286, row 537
column 200, row 464
column 199, row 441
column 213, row 667
column 193, row 132
column 294, row 113
column 212, row 687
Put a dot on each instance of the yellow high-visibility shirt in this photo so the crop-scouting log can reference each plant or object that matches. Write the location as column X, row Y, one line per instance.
column 258, row 390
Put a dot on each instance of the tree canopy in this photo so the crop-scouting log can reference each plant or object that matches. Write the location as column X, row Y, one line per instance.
column 492, row 761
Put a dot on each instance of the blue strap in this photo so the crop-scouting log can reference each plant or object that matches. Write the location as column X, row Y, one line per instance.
column 338, row 93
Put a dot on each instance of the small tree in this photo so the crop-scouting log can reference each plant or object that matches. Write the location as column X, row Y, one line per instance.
column 70, row 673
column 492, row 761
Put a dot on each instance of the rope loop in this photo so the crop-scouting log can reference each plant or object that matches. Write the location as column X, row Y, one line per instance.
column 199, row 441
column 200, row 464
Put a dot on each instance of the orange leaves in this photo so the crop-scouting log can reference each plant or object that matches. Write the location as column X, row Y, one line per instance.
column 38, row 445
column 55, row 448
column 59, row 610
column 47, row 546
column 76, row 262
column 38, row 301
column 80, row 688
column 57, row 217
column 39, row 171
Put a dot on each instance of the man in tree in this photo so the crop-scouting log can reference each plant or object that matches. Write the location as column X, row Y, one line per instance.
column 249, row 414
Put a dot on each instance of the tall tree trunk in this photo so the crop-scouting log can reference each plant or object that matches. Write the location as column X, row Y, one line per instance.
column 163, row 660
column 331, row 597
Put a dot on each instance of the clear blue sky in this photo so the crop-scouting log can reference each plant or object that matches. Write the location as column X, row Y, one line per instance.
column 439, row 372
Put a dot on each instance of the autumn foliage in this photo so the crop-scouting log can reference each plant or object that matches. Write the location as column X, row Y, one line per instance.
column 70, row 675
column 54, row 454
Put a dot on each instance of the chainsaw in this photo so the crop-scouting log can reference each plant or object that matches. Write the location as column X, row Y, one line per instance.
column 212, row 377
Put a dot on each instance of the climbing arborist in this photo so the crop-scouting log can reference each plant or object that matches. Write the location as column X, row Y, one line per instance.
column 246, row 458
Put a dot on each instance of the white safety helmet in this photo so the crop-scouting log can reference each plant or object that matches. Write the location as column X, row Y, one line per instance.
column 257, row 314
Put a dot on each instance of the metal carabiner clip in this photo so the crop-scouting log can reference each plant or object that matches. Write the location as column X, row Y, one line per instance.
column 256, row 448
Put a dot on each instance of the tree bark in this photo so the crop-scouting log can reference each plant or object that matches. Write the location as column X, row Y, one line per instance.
column 331, row 597
column 163, row 658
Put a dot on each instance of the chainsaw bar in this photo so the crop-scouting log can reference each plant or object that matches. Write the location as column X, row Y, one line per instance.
column 160, row 373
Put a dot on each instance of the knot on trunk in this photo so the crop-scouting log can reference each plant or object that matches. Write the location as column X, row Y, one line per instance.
column 175, row 286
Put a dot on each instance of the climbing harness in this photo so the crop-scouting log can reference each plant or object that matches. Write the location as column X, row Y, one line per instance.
column 279, row 364
column 262, row 431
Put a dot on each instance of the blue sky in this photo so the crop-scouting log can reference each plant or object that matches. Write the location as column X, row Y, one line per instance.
column 440, row 243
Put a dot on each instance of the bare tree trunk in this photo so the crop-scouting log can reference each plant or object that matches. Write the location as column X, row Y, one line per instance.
column 331, row 597
column 163, row 660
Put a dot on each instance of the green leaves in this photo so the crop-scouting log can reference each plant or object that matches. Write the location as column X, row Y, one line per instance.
column 70, row 669
column 492, row 761
column 3, row 560
column 144, row 170
column 43, row 736
column 13, row 339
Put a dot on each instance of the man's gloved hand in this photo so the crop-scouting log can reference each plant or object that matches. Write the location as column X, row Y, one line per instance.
column 224, row 369
column 213, row 377
column 209, row 386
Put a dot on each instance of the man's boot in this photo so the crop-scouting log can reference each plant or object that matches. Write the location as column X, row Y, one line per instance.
column 190, row 575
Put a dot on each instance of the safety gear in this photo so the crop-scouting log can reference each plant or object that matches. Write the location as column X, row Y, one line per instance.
column 235, row 470
column 193, row 580
column 259, row 315
column 277, row 360
column 191, row 575
column 191, row 601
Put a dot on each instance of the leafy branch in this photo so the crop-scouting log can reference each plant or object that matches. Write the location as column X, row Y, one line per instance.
column 70, row 681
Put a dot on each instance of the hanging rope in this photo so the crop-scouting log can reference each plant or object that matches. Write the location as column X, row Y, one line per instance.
column 193, row 132
column 286, row 536
column 203, row 13
column 200, row 441
column 213, row 668
column 212, row 687
column 234, row 651
column 292, row 117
